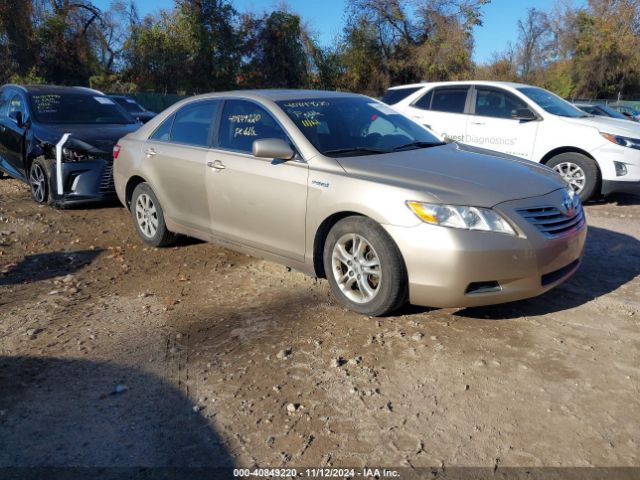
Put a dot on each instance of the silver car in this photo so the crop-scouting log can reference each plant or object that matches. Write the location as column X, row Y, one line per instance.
column 341, row 186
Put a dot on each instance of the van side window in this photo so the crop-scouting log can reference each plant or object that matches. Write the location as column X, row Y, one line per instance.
column 424, row 102
column 395, row 95
column 449, row 99
column 496, row 103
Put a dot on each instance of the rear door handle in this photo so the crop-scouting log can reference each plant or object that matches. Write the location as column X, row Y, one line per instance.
column 477, row 123
column 150, row 152
column 217, row 164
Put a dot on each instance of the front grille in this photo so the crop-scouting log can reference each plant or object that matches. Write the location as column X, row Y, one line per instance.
column 106, row 181
column 552, row 222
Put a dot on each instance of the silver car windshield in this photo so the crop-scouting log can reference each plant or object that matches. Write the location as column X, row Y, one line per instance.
column 355, row 126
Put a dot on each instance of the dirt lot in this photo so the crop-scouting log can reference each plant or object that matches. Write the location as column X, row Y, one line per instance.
column 116, row 354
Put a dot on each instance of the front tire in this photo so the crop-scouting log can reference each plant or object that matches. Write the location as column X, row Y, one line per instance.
column 39, row 177
column 579, row 171
column 364, row 267
column 148, row 218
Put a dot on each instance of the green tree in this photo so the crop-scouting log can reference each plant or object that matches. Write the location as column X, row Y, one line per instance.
column 274, row 51
column 17, row 39
column 407, row 41
column 214, row 58
column 157, row 52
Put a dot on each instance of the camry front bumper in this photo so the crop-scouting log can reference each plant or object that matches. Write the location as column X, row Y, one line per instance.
column 82, row 182
column 450, row 267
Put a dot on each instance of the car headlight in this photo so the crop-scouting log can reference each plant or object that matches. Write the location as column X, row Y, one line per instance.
column 622, row 141
column 77, row 151
column 454, row 216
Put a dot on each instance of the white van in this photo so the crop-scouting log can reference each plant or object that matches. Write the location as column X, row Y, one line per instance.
column 595, row 155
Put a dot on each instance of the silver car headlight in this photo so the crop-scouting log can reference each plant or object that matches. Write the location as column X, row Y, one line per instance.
column 454, row 216
column 622, row 141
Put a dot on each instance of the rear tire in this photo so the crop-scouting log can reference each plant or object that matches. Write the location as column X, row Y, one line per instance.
column 148, row 218
column 364, row 267
column 39, row 181
column 579, row 171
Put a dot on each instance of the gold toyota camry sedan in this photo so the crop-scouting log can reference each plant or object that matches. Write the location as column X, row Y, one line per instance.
column 341, row 186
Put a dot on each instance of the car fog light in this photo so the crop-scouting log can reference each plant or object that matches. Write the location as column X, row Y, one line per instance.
column 621, row 169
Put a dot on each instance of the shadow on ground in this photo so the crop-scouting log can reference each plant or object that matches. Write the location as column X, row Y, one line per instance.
column 65, row 413
column 610, row 260
column 620, row 199
column 44, row 266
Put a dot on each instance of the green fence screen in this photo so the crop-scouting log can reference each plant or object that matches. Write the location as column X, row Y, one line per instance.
column 156, row 102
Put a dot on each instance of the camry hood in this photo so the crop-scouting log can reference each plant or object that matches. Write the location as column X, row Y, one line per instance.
column 458, row 174
column 617, row 126
column 102, row 137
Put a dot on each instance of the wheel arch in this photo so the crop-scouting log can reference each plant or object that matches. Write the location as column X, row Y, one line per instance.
column 322, row 232
column 557, row 151
column 320, row 238
column 132, row 183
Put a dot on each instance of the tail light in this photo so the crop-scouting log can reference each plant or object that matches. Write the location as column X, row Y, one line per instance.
column 116, row 151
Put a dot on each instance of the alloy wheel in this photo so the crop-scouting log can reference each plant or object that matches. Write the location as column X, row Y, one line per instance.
column 572, row 174
column 356, row 268
column 146, row 215
column 37, row 179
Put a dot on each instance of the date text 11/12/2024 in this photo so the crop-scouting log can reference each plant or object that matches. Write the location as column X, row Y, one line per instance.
column 316, row 473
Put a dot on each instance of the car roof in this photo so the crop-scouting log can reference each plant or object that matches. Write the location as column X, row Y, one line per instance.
column 54, row 89
column 485, row 83
column 280, row 94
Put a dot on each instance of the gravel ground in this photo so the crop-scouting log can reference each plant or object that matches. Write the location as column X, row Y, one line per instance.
column 114, row 354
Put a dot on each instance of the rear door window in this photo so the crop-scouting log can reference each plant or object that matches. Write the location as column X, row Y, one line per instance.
column 163, row 132
column 193, row 123
column 449, row 99
column 395, row 95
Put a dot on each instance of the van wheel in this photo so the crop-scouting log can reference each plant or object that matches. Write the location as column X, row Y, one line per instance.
column 148, row 218
column 364, row 267
column 579, row 171
column 39, row 175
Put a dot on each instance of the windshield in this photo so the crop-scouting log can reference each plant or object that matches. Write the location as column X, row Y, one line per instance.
column 611, row 112
column 347, row 126
column 552, row 103
column 78, row 108
column 129, row 104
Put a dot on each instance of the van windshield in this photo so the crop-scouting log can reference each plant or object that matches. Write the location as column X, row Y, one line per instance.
column 348, row 126
column 552, row 103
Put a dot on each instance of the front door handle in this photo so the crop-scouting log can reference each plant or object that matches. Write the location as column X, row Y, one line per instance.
column 150, row 152
column 217, row 164
column 477, row 123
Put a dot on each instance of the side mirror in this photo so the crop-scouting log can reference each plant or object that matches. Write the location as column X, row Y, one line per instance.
column 523, row 114
column 17, row 117
column 272, row 148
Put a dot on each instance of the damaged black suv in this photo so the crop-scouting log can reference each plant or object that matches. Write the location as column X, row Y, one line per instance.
column 60, row 141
